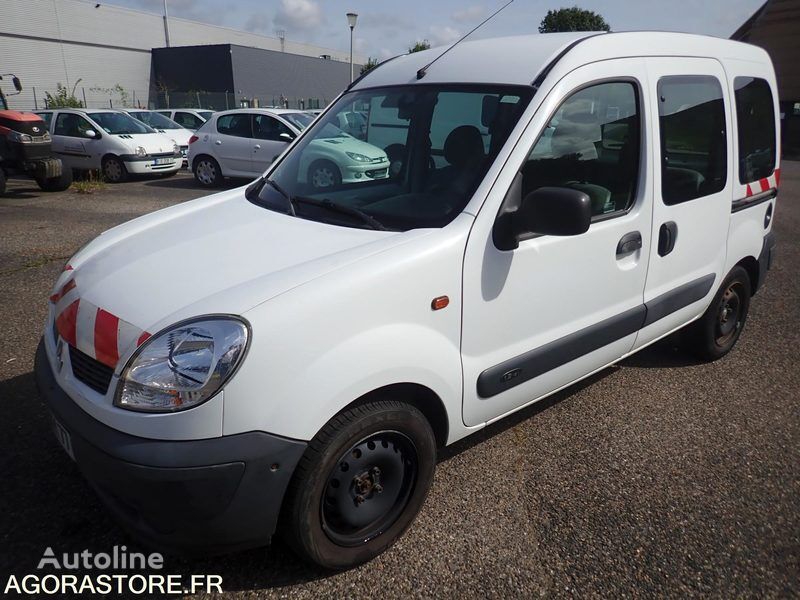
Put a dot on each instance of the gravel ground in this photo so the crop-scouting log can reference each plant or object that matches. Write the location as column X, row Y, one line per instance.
column 658, row 477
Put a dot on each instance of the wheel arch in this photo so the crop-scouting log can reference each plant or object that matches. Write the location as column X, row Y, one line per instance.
column 417, row 395
column 750, row 265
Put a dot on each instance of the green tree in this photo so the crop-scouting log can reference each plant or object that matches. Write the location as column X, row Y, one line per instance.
column 572, row 19
column 420, row 46
column 369, row 65
column 63, row 98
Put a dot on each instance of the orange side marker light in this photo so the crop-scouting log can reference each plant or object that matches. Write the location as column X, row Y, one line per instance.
column 439, row 302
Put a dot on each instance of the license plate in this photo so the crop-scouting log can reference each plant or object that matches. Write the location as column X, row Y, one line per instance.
column 163, row 161
column 63, row 437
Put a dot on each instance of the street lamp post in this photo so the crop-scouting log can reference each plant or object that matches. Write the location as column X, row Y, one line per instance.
column 351, row 20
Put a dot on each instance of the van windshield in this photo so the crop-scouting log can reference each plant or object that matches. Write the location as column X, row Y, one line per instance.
column 118, row 123
column 395, row 158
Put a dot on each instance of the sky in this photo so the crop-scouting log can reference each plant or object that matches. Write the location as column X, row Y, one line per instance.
column 386, row 28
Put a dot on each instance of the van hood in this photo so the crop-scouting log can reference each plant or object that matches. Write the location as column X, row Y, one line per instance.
column 220, row 254
column 153, row 143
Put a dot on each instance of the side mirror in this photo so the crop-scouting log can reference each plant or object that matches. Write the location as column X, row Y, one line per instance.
column 545, row 211
column 90, row 133
column 17, row 83
column 286, row 137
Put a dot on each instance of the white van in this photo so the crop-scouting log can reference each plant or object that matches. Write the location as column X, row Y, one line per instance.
column 278, row 352
column 112, row 141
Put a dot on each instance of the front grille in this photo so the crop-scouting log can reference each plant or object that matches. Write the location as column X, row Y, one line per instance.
column 89, row 371
column 378, row 174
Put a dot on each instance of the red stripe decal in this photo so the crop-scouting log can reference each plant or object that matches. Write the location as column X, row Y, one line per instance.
column 68, row 268
column 106, row 327
column 142, row 338
column 66, row 321
column 777, row 177
column 764, row 184
column 749, row 191
column 69, row 286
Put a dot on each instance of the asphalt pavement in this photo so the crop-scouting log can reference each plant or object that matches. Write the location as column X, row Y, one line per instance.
column 657, row 477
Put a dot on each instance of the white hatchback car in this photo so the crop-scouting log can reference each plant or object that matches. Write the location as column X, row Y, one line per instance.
column 244, row 142
column 280, row 354
column 163, row 124
column 112, row 141
column 191, row 118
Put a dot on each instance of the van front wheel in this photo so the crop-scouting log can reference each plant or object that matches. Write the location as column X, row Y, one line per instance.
column 714, row 334
column 360, row 483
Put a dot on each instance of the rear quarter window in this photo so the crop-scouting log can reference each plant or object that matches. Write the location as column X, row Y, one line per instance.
column 755, row 119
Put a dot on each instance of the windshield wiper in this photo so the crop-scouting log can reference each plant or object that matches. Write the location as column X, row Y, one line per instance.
column 340, row 208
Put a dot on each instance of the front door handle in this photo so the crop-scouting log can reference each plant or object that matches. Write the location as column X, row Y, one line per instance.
column 630, row 242
column 218, row 143
column 667, row 236
column 257, row 147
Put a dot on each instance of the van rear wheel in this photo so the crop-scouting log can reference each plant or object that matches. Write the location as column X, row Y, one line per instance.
column 715, row 334
column 360, row 483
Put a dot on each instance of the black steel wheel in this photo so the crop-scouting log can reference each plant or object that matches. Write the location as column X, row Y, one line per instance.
column 369, row 488
column 360, row 483
column 114, row 170
column 714, row 334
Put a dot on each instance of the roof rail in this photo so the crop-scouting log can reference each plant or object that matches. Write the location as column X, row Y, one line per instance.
column 536, row 83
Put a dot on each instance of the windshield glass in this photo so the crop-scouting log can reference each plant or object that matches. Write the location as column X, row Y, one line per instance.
column 397, row 158
column 299, row 119
column 119, row 123
column 155, row 120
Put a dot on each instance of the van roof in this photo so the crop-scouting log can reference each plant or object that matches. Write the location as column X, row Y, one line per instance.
column 519, row 60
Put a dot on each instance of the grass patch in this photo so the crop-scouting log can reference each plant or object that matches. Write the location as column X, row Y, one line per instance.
column 90, row 183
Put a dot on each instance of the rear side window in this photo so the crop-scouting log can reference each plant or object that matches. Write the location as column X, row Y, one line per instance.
column 237, row 125
column 188, row 120
column 591, row 144
column 691, row 114
column 755, row 117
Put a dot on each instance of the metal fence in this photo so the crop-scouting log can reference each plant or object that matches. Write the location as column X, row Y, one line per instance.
column 113, row 98
column 228, row 100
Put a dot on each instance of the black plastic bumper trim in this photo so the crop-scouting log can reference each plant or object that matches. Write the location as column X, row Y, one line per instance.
column 765, row 258
column 676, row 299
column 188, row 497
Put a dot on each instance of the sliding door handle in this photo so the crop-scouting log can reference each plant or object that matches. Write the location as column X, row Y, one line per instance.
column 630, row 242
column 667, row 236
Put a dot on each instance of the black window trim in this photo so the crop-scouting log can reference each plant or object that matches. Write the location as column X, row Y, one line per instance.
column 637, row 195
column 251, row 117
column 660, row 183
column 776, row 131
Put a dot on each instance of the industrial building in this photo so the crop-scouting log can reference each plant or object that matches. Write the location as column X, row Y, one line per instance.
column 776, row 28
column 106, row 53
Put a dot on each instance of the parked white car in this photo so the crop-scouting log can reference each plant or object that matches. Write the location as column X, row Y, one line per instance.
column 112, row 141
column 191, row 118
column 244, row 142
column 282, row 350
column 163, row 124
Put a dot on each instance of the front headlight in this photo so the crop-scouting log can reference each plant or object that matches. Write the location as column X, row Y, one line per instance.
column 140, row 151
column 183, row 366
column 16, row 136
column 358, row 157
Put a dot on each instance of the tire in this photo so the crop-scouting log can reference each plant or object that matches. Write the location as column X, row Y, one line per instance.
column 114, row 170
column 207, row 172
column 2, row 182
column 56, row 184
column 323, row 175
column 715, row 334
column 359, row 485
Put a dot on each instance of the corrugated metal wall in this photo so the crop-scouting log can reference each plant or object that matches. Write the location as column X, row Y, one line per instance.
column 46, row 42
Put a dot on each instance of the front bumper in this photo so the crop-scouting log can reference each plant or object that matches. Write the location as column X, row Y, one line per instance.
column 144, row 165
column 188, row 497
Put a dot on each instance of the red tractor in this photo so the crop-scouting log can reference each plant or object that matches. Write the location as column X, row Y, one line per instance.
column 25, row 147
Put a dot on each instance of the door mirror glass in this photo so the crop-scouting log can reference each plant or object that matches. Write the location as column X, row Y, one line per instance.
column 17, row 83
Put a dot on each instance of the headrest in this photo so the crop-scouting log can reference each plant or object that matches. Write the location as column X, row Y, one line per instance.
column 464, row 146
